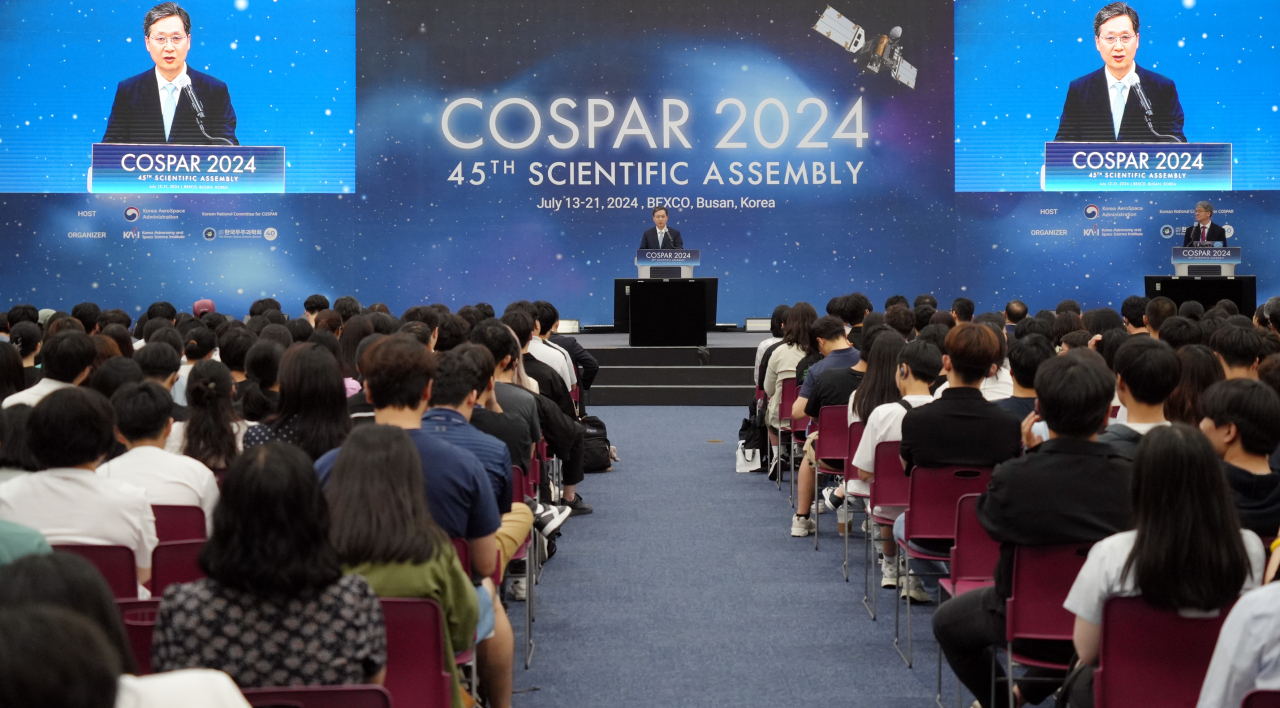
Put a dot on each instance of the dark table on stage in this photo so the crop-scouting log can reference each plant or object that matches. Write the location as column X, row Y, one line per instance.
column 1206, row 290
column 676, row 312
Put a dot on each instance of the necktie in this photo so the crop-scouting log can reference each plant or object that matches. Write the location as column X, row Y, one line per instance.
column 1117, row 106
column 170, row 105
column 660, row 235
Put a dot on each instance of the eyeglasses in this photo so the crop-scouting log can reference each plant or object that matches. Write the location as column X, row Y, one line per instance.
column 177, row 40
column 1123, row 38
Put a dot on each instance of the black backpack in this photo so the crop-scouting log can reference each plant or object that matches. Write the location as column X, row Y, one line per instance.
column 595, row 445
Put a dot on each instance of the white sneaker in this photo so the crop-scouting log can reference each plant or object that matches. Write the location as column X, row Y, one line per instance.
column 827, row 495
column 517, row 590
column 889, row 572
column 801, row 526
column 817, row 508
column 914, row 589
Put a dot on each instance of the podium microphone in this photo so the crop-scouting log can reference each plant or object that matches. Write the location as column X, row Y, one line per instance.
column 199, row 109
column 1148, row 113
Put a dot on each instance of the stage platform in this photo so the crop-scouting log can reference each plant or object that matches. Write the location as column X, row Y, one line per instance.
column 719, row 374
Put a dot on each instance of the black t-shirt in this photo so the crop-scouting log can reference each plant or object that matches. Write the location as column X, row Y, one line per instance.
column 1257, row 497
column 1019, row 406
column 960, row 428
column 802, row 367
column 508, row 429
column 550, row 384
column 31, row 376
column 833, row 387
column 764, row 364
column 359, row 408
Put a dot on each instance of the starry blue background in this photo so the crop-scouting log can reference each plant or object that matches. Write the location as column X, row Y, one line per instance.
column 1014, row 61
column 290, row 68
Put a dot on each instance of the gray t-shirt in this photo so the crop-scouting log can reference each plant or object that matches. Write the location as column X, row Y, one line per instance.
column 519, row 402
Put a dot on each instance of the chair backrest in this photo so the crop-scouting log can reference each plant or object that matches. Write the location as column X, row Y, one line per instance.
column 363, row 696
column 116, row 564
column 175, row 562
column 139, row 625
column 788, row 394
column 1149, row 656
column 975, row 554
column 464, row 553
column 519, row 484
column 852, row 441
column 833, row 433
column 889, row 486
column 1042, row 577
column 179, row 523
column 1261, row 699
column 417, row 672
column 934, row 493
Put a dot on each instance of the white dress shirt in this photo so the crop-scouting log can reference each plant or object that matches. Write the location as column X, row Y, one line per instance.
column 77, row 506
column 35, row 394
column 554, row 357
column 190, row 688
column 167, row 479
column 1118, row 101
column 662, row 236
column 1247, row 655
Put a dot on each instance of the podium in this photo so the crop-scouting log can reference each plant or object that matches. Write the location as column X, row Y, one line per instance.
column 1136, row 167
column 187, row 169
column 1206, row 275
column 1202, row 261
column 666, row 262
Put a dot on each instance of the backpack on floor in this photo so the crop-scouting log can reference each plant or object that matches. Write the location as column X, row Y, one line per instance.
column 595, row 445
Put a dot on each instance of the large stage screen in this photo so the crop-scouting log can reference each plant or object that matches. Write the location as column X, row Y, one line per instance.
column 267, row 103
column 1035, row 110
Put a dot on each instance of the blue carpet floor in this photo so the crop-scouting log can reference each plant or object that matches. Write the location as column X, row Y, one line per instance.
column 685, row 588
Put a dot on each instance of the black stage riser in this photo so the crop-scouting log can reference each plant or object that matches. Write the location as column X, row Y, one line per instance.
column 673, row 356
column 673, row 376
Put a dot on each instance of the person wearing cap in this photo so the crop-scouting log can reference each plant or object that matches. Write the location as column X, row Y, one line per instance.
column 203, row 307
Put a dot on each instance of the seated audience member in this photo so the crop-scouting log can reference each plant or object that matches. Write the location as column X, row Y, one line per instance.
column 28, row 339
column 50, row 656
column 314, row 305
column 837, row 353
column 1242, row 421
column 550, row 384
column 1025, row 357
column 358, row 405
column 775, row 337
column 1133, row 309
column 924, row 315
column 999, row 385
column 383, row 531
column 1033, row 325
column 1178, row 332
column 16, row 458
column 258, row 396
column 1015, row 311
column 143, row 426
column 313, row 404
column 70, row 432
column 944, row 318
column 1066, row 323
column 1147, row 371
column 1068, row 306
column 201, row 343
column 279, row 334
column 1159, row 309
column 1238, row 350
column 962, row 309
column 354, row 331
column 1191, row 310
column 901, row 320
column 67, row 361
column 72, row 584
column 1069, row 489
column 233, row 347
column 854, row 309
column 160, row 363
column 515, row 400
column 347, row 307
column 275, row 609
column 797, row 343
column 214, row 434
column 12, row 378
column 1200, row 370
column 398, row 374
column 1187, row 552
column 1075, row 339
column 1104, row 319
column 1110, row 343
column 299, row 328
column 586, row 364
column 453, row 330
column 120, row 335
column 488, row 416
column 327, row 321
column 16, row 540
column 548, row 352
column 895, row 301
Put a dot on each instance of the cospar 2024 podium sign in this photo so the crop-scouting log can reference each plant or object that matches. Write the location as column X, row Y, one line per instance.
column 191, row 169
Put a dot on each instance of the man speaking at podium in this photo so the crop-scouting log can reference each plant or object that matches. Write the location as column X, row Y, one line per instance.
column 1110, row 104
column 660, row 236
column 155, row 106
column 1205, row 229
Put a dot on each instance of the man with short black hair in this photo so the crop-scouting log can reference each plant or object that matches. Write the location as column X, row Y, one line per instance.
column 143, row 424
column 1068, row 306
column 347, row 307
column 233, row 345
column 901, row 320
column 1069, row 489
column 160, row 363
column 313, row 305
column 855, row 308
column 515, row 400
column 70, row 432
column 1237, row 350
column 1178, row 332
column 23, row 313
column 1147, row 371
column 162, row 311
column 1033, row 325
column 926, row 299
column 548, row 352
column 1133, row 309
column 68, row 357
column 550, row 384
column 1159, row 309
column 1025, row 357
column 895, row 301
column 1242, row 421
column 88, row 314
column 962, row 309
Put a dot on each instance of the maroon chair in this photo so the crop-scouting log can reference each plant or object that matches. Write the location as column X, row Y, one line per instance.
column 175, row 562
column 832, row 444
column 1261, row 699
column 787, row 428
column 889, row 487
column 1149, row 656
column 1042, row 577
column 116, row 563
column 139, row 625
column 934, row 493
column 973, row 560
column 366, row 696
column 179, row 523
column 417, row 671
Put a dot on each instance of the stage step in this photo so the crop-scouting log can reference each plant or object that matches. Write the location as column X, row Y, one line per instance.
column 673, row 376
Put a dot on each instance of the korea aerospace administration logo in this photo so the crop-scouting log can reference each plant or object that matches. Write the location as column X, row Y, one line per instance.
column 1166, row 231
column 210, row 234
column 131, row 214
column 1091, row 211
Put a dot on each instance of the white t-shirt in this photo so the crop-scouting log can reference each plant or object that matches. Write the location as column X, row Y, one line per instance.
column 760, row 349
column 168, row 479
column 554, row 357
column 75, row 506
column 1100, row 578
column 35, row 394
column 1247, row 656
column 884, row 425
column 994, row 388
column 190, row 688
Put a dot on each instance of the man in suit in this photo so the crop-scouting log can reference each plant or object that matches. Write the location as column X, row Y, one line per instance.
column 1205, row 229
column 153, row 108
column 1103, row 106
column 660, row 236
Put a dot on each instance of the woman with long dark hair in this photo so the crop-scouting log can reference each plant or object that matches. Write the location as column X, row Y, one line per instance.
column 382, row 530
column 275, row 608
column 1064, row 324
column 258, row 396
column 797, row 343
column 1187, row 551
column 214, row 434
column 313, row 403
column 12, row 378
column 353, row 332
column 880, row 383
column 28, row 338
column 1200, row 370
